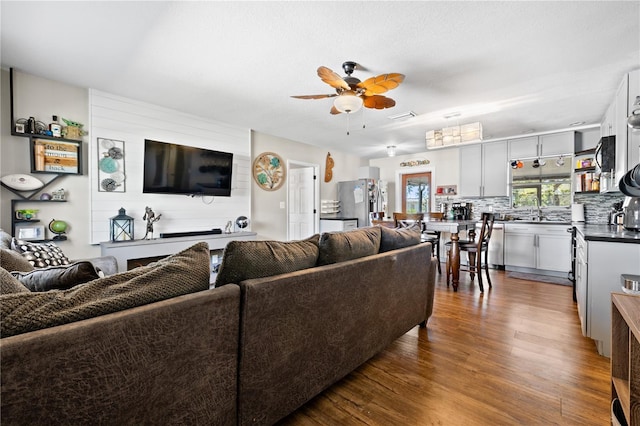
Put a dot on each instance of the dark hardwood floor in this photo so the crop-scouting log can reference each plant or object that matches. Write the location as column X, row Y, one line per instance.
column 513, row 355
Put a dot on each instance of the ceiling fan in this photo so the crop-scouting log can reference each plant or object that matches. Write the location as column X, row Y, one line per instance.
column 352, row 94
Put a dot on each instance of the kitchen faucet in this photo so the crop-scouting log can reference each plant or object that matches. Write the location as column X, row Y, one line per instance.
column 537, row 204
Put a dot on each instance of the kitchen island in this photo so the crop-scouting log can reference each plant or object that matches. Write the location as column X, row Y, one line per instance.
column 603, row 253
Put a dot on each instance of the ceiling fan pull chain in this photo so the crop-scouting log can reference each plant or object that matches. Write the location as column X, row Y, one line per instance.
column 363, row 126
column 348, row 123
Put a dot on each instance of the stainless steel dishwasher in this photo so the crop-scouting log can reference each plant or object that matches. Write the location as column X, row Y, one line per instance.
column 496, row 244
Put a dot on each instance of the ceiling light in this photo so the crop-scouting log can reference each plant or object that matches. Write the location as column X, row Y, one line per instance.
column 452, row 135
column 391, row 150
column 408, row 114
column 576, row 123
column 452, row 115
column 348, row 102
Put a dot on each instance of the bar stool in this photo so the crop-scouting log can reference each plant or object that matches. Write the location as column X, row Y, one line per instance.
column 433, row 237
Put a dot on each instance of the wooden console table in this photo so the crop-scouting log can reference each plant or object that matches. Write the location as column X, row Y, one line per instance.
column 625, row 354
column 159, row 247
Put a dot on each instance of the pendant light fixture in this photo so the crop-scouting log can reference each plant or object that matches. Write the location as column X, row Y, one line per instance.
column 391, row 150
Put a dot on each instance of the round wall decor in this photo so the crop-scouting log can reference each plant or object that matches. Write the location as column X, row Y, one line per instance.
column 268, row 171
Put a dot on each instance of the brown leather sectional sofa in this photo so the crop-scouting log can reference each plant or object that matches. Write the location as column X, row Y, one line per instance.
column 237, row 354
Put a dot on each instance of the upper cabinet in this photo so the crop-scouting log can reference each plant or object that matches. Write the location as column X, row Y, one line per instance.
column 484, row 170
column 542, row 146
column 633, row 136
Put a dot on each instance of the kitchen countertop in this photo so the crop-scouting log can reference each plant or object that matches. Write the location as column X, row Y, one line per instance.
column 608, row 233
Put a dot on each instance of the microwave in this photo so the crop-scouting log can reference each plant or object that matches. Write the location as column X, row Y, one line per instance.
column 606, row 154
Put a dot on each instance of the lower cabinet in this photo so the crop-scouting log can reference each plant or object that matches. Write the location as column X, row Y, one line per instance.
column 537, row 246
column 331, row 225
column 597, row 276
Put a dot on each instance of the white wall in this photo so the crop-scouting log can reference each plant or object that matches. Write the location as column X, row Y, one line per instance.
column 444, row 166
column 115, row 117
column 268, row 219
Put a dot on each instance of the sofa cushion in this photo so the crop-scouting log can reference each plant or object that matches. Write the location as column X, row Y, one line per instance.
column 181, row 273
column 9, row 284
column 11, row 260
column 58, row 277
column 392, row 239
column 243, row 260
column 347, row 245
column 40, row 255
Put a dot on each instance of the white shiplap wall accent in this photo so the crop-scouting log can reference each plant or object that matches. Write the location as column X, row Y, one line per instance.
column 115, row 117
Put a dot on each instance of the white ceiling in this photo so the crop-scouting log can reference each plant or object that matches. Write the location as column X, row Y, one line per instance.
column 515, row 66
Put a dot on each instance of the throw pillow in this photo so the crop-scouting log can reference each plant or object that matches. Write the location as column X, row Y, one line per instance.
column 181, row 273
column 40, row 255
column 58, row 277
column 243, row 260
column 11, row 260
column 5, row 240
column 392, row 239
column 9, row 285
column 347, row 245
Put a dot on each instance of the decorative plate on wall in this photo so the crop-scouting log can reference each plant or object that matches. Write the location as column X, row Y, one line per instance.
column 268, row 171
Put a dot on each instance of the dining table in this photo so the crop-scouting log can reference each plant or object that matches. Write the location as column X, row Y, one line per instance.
column 453, row 226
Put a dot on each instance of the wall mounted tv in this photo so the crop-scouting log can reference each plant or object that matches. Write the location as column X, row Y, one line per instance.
column 178, row 169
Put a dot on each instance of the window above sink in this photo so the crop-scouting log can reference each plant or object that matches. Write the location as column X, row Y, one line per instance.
column 538, row 183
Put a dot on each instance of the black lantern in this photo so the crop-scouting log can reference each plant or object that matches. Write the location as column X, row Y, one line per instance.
column 121, row 227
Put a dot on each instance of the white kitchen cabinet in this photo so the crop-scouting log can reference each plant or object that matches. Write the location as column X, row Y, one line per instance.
column 545, row 247
column 552, row 144
column 633, row 136
column 332, row 225
column 597, row 277
column 483, row 170
column 581, row 282
column 556, row 144
column 523, row 148
column 518, row 249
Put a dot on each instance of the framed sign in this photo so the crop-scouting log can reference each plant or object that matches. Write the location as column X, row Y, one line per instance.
column 269, row 171
column 29, row 233
column 56, row 156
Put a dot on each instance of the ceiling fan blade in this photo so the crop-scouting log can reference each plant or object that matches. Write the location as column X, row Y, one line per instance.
column 332, row 79
column 314, row 96
column 382, row 83
column 378, row 102
column 334, row 111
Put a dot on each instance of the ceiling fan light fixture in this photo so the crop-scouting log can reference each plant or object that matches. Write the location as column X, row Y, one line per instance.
column 348, row 102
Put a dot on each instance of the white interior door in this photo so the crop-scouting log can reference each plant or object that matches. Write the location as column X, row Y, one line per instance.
column 302, row 212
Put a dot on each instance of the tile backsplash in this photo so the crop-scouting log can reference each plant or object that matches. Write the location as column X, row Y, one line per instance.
column 597, row 207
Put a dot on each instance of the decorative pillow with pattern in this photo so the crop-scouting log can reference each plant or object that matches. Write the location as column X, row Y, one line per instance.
column 396, row 238
column 243, row 260
column 348, row 245
column 58, row 277
column 40, row 255
column 181, row 273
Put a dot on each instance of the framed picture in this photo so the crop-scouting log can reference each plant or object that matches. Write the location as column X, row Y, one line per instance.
column 29, row 233
column 53, row 156
column 111, row 175
column 269, row 171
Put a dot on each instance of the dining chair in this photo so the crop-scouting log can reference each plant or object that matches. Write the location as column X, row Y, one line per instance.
column 406, row 220
column 433, row 237
column 474, row 251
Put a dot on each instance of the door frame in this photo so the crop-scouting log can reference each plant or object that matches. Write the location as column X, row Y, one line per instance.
column 316, row 189
column 410, row 171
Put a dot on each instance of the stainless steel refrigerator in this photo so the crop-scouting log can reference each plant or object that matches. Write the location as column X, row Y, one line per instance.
column 357, row 199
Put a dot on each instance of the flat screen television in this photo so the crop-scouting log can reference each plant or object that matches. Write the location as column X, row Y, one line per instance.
column 179, row 169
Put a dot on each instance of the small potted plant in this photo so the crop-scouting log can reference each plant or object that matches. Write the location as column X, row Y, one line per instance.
column 26, row 214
